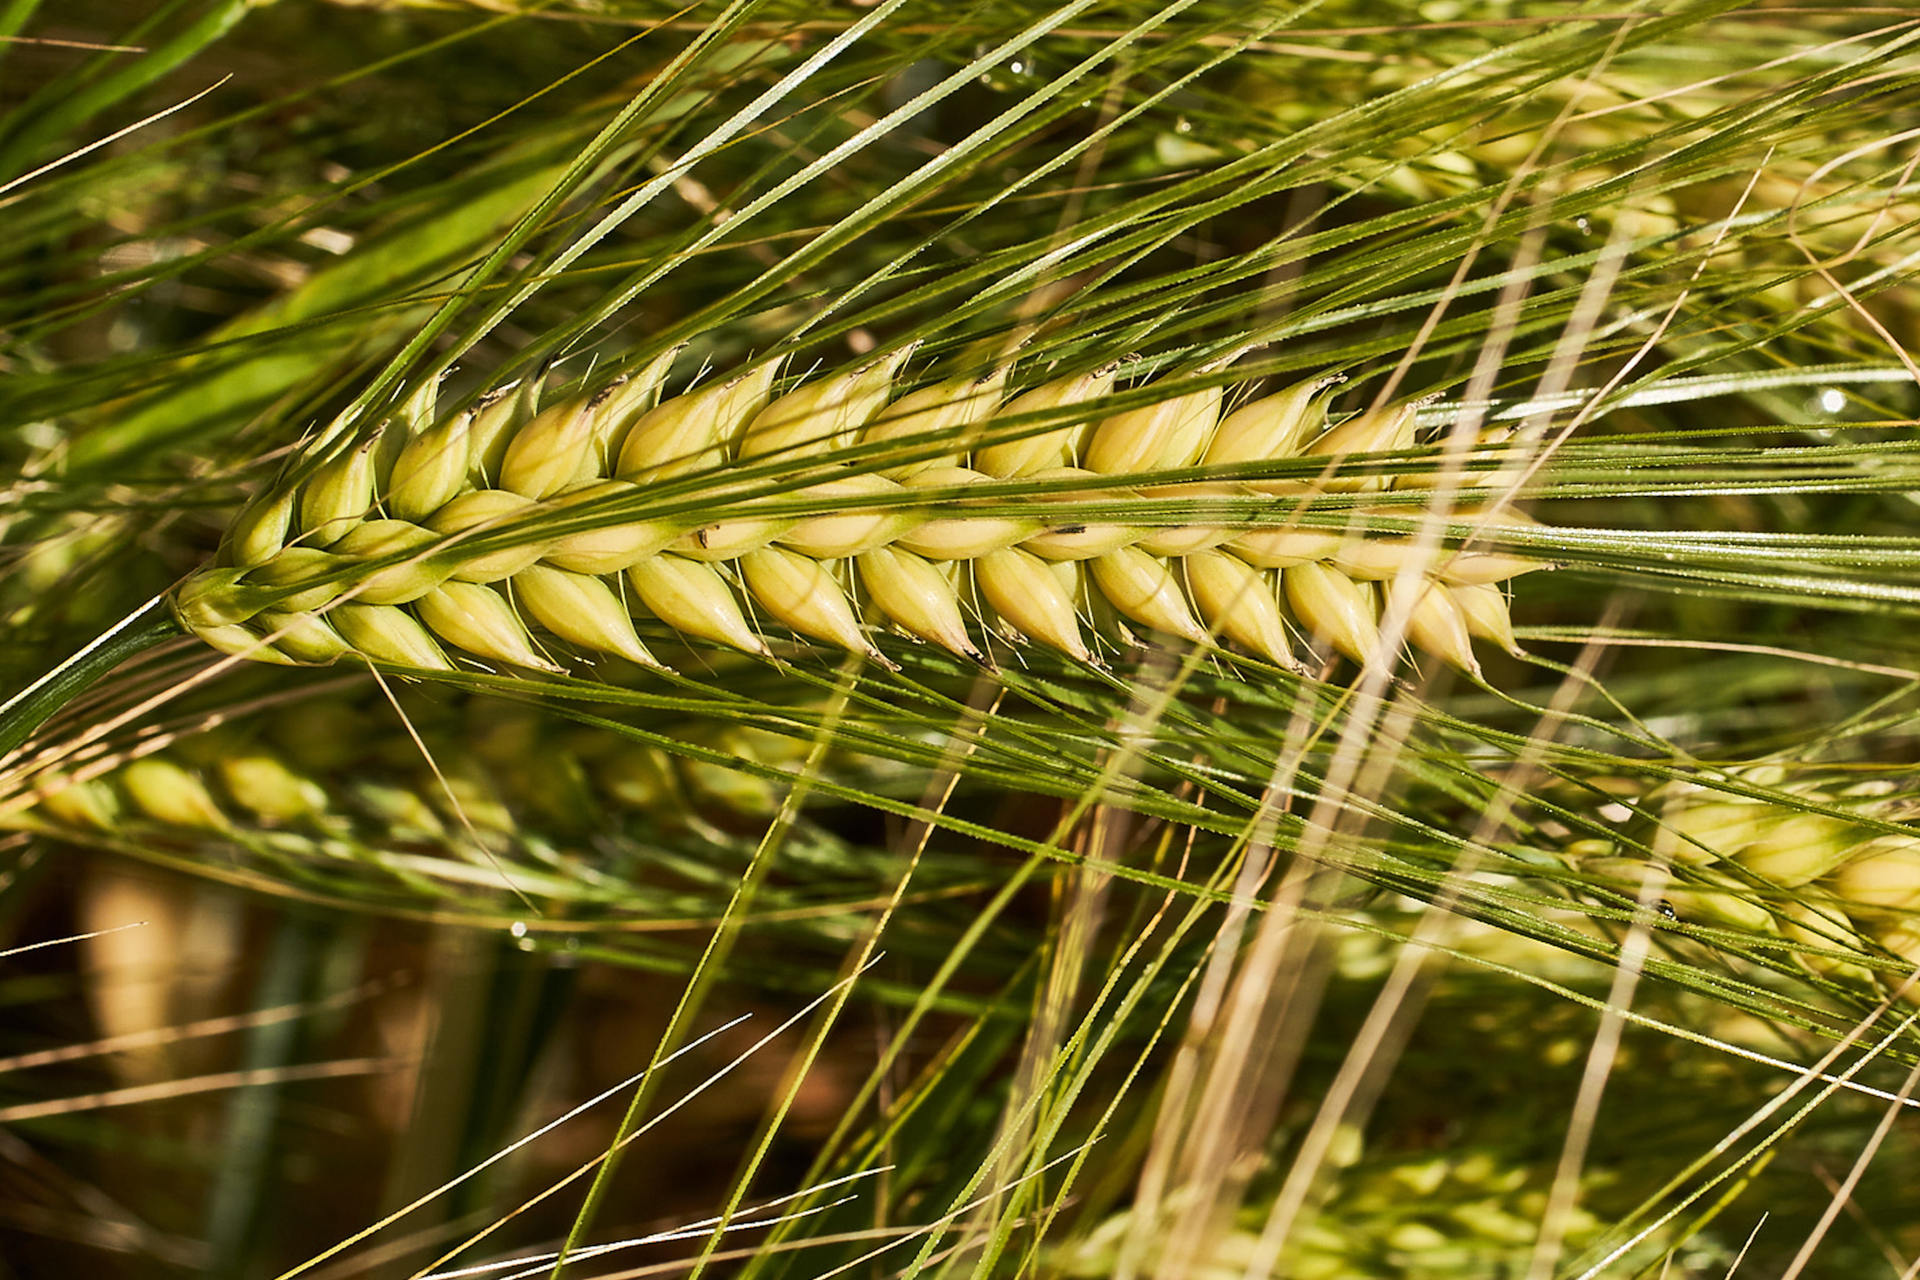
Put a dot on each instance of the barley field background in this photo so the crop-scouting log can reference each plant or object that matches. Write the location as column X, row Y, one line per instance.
column 1101, row 640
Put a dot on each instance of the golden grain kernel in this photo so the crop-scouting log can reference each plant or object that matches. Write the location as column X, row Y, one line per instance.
column 431, row 470
column 1274, row 426
column 544, row 456
column 1078, row 541
column 165, row 792
column 1030, row 596
column 1488, row 617
column 297, row 565
column 398, row 583
column 480, row 514
column 803, row 595
column 944, row 407
column 582, row 610
column 479, row 620
column 496, row 417
column 959, row 537
column 1144, row 588
column 1377, row 431
column 1334, row 608
column 304, row 637
column 610, row 548
column 1054, row 446
column 618, row 406
column 241, row 642
column 1241, row 603
column 1718, row 899
column 833, row 537
column 1802, row 847
column 387, row 633
column 92, row 804
column 212, row 598
column 339, row 495
column 694, row 431
column 1481, row 568
column 1435, row 624
column 693, row 599
column 1171, row 434
column 824, row 415
column 260, row 530
column 917, row 596
column 1284, row 546
column 262, row 784
column 1884, row 875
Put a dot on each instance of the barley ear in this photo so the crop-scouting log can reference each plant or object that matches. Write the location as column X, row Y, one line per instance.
column 693, row 599
column 582, row 610
column 919, row 597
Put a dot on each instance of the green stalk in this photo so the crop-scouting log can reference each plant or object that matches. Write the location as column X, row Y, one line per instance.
column 34, row 705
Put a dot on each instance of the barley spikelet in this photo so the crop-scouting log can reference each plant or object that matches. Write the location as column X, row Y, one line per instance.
column 515, row 531
column 1819, row 880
